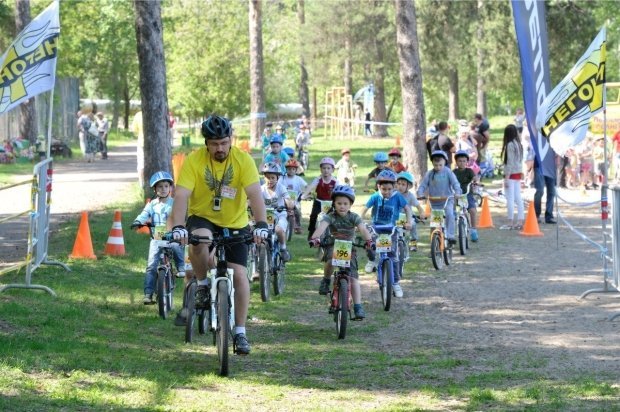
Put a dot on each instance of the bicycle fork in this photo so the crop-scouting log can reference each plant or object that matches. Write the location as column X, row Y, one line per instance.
column 215, row 281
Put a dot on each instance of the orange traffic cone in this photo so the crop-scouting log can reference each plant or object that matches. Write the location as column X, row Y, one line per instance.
column 531, row 223
column 144, row 230
column 115, row 246
column 485, row 221
column 83, row 246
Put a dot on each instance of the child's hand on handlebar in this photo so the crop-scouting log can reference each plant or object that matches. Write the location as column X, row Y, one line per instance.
column 314, row 242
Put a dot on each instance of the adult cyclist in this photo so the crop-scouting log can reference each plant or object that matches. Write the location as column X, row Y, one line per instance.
column 213, row 187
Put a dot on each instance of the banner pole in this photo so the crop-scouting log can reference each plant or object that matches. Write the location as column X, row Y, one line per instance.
column 49, row 123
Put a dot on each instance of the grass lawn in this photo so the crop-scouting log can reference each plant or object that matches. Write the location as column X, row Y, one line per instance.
column 97, row 347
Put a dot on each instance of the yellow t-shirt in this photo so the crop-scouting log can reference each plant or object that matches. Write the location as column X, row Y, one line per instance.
column 204, row 177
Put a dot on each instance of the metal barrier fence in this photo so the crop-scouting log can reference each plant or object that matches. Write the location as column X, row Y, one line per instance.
column 38, row 231
column 611, row 277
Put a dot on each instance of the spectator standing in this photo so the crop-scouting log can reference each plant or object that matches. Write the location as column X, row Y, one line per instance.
column 519, row 119
column 512, row 156
column 367, row 119
column 442, row 142
column 482, row 129
column 83, row 124
column 616, row 141
column 103, row 127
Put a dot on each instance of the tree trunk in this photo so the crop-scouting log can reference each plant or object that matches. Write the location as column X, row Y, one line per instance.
column 116, row 102
column 414, row 117
column 453, row 94
column 348, row 64
column 257, row 94
column 481, row 97
column 304, row 94
column 151, row 61
column 28, row 120
column 380, row 114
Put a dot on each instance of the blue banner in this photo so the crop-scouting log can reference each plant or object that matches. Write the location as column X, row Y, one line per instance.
column 531, row 29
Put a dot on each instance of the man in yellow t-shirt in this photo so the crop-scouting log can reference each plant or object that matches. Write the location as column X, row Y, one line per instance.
column 213, row 187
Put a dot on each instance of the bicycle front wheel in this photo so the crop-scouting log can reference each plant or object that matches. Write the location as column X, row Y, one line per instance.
column 403, row 256
column 342, row 310
column 161, row 294
column 291, row 227
column 279, row 273
column 264, row 272
column 190, row 307
column 447, row 254
column 387, row 276
column 436, row 254
column 252, row 262
column 222, row 331
column 462, row 229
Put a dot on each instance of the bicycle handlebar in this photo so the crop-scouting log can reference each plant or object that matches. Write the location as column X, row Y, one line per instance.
column 217, row 239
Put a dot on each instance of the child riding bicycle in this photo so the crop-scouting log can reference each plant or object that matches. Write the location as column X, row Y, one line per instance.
column 342, row 224
column 276, row 195
column 467, row 178
column 323, row 186
column 157, row 212
column 440, row 182
column 386, row 205
column 295, row 185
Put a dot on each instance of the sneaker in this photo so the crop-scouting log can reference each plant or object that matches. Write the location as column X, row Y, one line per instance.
column 324, row 288
column 148, row 299
column 180, row 274
column 398, row 291
column 285, row 255
column 550, row 221
column 241, row 346
column 202, row 296
column 474, row 235
column 358, row 311
column 370, row 266
column 181, row 318
column 451, row 242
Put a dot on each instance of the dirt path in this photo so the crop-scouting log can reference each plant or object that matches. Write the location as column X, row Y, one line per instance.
column 77, row 186
column 517, row 296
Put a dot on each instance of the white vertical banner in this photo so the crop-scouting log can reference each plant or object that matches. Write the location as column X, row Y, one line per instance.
column 28, row 67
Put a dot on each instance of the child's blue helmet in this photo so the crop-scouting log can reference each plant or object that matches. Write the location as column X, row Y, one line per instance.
column 159, row 177
column 344, row 190
column 289, row 151
column 406, row 176
column 276, row 138
column 439, row 153
column 380, row 157
column 461, row 153
column 386, row 176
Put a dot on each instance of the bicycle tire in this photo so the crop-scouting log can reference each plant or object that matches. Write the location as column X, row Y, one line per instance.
column 222, row 331
column 290, row 228
column 251, row 263
column 462, row 229
column 278, row 275
column 203, row 318
column 170, row 283
column 403, row 256
column 161, row 294
column 190, row 306
column 387, row 277
column 264, row 273
column 447, row 255
column 342, row 310
column 436, row 254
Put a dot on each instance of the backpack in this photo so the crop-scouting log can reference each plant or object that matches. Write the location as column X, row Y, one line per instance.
column 433, row 144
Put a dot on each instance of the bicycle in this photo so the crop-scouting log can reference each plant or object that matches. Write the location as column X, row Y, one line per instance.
column 219, row 315
column 303, row 157
column 404, row 237
column 388, row 265
column 340, row 297
column 441, row 250
column 165, row 282
column 290, row 215
column 326, row 206
column 270, row 266
column 462, row 223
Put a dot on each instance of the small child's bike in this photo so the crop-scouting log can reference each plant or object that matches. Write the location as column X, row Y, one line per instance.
column 269, row 264
column 441, row 250
column 389, row 260
column 340, row 298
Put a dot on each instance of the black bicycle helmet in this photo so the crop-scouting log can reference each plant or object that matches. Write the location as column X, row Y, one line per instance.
column 216, row 127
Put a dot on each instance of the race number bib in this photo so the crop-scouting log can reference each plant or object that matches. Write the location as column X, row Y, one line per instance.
column 325, row 205
column 343, row 252
column 384, row 242
column 402, row 220
column 437, row 217
column 271, row 217
column 159, row 231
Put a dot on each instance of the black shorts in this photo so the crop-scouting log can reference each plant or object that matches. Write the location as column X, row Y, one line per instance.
column 237, row 253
